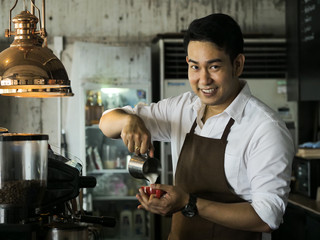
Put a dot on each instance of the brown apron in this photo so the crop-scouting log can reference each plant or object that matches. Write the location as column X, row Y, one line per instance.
column 200, row 170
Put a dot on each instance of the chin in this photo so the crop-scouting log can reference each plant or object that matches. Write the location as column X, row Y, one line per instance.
column 208, row 103
column 208, row 100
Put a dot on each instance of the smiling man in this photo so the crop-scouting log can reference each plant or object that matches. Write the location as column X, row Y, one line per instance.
column 231, row 153
column 215, row 81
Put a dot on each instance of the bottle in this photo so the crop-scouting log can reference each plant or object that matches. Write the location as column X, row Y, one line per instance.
column 125, row 224
column 88, row 108
column 98, row 108
column 139, row 224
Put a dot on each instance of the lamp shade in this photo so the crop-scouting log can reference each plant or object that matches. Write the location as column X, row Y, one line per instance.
column 28, row 68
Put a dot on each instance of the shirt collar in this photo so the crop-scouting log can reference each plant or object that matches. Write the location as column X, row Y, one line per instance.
column 234, row 110
column 199, row 108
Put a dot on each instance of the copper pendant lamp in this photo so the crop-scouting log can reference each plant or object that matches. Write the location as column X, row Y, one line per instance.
column 28, row 68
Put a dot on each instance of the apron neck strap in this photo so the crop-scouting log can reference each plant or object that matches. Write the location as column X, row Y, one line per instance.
column 227, row 129
column 193, row 126
column 225, row 132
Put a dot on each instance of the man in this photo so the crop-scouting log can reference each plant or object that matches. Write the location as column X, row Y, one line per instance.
column 231, row 153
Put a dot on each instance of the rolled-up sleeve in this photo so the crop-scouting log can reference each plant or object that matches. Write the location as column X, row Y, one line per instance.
column 154, row 117
column 270, row 208
column 269, row 171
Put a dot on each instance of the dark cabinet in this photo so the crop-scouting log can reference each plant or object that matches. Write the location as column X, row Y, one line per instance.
column 303, row 44
column 298, row 224
column 312, row 228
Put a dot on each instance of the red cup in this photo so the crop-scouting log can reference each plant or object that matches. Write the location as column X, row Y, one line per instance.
column 148, row 190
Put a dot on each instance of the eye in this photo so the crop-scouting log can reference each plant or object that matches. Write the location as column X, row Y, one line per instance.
column 214, row 67
column 194, row 67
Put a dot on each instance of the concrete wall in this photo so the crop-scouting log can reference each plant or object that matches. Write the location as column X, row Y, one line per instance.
column 118, row 23
column 140, row 20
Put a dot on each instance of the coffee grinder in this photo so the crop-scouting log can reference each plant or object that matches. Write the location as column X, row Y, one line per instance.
column 40, row 192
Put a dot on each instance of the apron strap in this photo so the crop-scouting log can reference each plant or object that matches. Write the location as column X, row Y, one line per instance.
column 227, row 129
column 225, row 132
column 193, row 126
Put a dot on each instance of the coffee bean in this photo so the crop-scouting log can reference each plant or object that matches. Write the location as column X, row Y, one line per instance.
column 23, row 192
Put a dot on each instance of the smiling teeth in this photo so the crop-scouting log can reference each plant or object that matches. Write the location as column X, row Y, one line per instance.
column 211, row 90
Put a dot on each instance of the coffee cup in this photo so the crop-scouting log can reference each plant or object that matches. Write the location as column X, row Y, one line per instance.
column 156, row 192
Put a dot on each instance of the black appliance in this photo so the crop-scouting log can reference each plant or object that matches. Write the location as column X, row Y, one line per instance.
column 60, row 215
column 306, row 176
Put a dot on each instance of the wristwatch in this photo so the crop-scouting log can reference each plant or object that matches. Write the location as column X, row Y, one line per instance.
column 190, row 209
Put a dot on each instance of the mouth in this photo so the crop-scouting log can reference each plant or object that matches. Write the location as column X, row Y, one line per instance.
column 208, row 90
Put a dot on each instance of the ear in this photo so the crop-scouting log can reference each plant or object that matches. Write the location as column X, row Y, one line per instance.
column 187, row 59
column 238, row 64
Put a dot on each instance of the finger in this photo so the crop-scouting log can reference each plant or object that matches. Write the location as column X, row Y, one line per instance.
column 140, row 207
column 143, row 196
column 151, row 197
column 131, row 146
column 152, row 204
column 143, row 205
column 144, row 147
column 145, row 143
column 137, row 143
column 137, row 148
column 151, row 150
column 138, row 196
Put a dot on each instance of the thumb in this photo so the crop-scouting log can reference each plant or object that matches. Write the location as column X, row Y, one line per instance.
column 159, row 186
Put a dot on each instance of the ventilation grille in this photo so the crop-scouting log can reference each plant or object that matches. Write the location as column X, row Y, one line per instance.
column 265, row 58
column 175, row 66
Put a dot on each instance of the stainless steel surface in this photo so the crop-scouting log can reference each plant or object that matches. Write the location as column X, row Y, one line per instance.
column 39, row 190
column 23, row 156
column 23, row 174
column 67, row 231
column 140, row 166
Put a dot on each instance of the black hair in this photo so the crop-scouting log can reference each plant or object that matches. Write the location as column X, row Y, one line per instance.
column 219, row 29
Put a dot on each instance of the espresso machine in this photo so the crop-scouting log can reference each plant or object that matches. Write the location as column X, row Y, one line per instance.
column 41, row 192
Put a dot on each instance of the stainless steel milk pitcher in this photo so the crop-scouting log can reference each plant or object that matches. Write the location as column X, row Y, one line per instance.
column 140, row 166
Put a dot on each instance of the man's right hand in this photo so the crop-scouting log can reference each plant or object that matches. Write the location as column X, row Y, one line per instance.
column 130, row 128
column 136, row 136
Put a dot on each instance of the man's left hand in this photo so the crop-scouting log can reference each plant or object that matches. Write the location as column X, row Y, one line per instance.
column 172, row 201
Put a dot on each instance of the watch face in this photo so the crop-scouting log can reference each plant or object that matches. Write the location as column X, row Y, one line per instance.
column 188, row 211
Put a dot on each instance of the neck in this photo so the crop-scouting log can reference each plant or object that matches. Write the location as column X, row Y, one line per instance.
column 209, row 112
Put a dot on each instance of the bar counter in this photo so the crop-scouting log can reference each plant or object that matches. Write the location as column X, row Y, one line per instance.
column 304, row 202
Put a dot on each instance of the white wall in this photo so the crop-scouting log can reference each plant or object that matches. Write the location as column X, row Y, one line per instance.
column 118, row 23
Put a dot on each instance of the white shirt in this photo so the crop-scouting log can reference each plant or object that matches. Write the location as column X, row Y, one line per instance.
column 259, row 151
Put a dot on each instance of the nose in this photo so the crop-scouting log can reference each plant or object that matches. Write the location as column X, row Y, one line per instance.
column 205, row 77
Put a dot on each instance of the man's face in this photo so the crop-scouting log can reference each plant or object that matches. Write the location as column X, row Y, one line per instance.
column 212, row 76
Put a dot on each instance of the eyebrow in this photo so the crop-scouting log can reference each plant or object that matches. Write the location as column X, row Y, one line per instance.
column 209, row 61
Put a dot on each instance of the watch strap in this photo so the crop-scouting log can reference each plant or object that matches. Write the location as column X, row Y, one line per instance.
column 191, row 209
